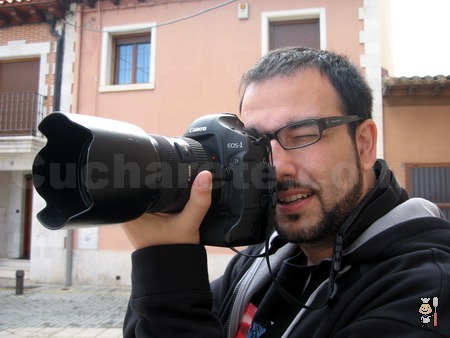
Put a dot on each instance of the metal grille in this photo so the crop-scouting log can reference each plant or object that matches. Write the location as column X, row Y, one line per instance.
column 433, row 184
column 20, row 113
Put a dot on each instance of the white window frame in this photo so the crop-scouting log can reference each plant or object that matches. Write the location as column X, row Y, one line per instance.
column 289, row 15
column 106, row 76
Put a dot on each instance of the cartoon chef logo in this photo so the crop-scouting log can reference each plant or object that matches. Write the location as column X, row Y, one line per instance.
column 427, row 313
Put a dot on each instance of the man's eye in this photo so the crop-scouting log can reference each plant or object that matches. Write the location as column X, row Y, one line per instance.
column 296, row 139
column 304, row 136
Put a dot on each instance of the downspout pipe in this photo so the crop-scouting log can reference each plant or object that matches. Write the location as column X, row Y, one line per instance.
column 69, row 258
column 57, row 107
column 59, row 61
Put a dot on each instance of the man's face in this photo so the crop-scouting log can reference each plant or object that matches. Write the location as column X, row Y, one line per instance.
column 324, row 181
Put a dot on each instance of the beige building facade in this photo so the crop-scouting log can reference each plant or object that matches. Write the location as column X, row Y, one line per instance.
column 198, row 51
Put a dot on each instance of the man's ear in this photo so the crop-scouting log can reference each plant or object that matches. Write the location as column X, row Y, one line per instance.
column 366, row 142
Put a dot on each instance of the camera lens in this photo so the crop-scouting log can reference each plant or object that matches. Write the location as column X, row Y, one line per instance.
column 92, row 173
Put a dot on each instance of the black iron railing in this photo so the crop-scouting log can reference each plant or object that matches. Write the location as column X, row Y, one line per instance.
column 20, row 113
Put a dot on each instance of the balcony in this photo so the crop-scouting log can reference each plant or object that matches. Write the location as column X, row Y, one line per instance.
column 20, row 114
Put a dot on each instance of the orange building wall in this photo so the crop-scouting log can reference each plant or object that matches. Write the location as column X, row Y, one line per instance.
column 199, row 61
column 416, row 135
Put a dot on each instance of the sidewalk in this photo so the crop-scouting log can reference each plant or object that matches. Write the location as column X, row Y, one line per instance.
column 56, row 311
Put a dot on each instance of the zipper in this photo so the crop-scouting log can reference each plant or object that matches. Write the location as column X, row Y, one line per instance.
column 251, row 269
column 233, row 300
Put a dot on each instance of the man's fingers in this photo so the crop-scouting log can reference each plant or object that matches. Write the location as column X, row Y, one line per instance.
column 199, row 200
column 161, row 229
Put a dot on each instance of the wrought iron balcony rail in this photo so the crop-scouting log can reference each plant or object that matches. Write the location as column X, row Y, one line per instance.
column 20, row 113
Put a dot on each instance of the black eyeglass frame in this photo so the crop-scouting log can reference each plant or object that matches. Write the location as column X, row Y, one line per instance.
column 322, row 125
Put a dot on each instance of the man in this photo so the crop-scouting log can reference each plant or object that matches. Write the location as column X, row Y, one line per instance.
column 355, row 254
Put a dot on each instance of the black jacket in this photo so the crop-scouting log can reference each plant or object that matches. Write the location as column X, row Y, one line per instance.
column 403, row 255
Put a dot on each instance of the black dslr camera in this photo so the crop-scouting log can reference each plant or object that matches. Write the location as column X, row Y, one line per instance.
column 95, row 171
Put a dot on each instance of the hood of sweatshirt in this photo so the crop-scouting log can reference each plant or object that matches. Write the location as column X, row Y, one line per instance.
column 393, row 235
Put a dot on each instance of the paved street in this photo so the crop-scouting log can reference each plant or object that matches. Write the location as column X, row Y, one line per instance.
column 56, row 311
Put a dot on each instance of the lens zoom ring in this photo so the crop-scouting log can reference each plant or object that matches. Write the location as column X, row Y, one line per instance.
column 169, row 157
column 199, row 153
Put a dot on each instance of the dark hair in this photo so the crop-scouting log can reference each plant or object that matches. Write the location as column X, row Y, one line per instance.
column 354, row 92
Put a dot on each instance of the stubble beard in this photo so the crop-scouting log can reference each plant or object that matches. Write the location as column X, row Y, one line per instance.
column 323, row 233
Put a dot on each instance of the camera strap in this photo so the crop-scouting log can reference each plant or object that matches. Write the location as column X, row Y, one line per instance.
column 385, row 196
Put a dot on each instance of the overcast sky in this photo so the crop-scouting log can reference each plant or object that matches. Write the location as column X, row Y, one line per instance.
column 421, row 37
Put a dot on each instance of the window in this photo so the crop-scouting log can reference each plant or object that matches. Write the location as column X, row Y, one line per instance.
column 128, row 58
column 294, row 33
column 305, row 27
column 132, row 59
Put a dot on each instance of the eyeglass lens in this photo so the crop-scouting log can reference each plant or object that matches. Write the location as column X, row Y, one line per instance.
column 299, row 134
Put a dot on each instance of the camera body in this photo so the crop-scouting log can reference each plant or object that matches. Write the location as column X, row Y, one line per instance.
column 95, row 171
column 242, row 181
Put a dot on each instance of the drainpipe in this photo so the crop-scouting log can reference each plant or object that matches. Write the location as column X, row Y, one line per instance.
column 77, row 66
column 59, row 60
column 57, row 107
column 69, row 258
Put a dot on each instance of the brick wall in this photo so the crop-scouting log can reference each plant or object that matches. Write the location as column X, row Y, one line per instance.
column 30, row 33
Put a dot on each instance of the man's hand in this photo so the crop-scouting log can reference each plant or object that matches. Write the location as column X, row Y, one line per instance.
column 181, row 228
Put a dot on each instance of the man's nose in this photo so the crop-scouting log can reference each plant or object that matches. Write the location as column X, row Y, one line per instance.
column 283, row 160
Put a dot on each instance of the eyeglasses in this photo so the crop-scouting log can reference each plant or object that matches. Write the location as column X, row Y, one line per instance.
column 304, row 133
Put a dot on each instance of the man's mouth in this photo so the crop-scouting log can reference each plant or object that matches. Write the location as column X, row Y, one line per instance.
column 293, row 198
